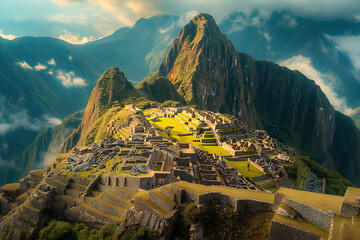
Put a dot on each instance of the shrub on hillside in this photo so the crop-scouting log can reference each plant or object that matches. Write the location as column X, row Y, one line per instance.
column 57, row 231
column 170, row 103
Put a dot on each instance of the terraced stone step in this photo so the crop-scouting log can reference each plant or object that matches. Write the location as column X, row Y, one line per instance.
column 117, row 190
column 142, row 202
column 56, row 183
column 81, row 180
column 31, row 210
column 160, row 200
column 114, row 199
column 26, row 217
column 78, row 186
column 56, row 189
column 95, row 193
column 73, row 192
column 97, row 213
column 71, row 200
column 167, row 191
column 37, row 174
column 45, row 195
column 105, row 206
column 60, row 178
column 39, row 203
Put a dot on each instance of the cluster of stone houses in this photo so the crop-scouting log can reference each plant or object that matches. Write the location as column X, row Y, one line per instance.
column 244, row 144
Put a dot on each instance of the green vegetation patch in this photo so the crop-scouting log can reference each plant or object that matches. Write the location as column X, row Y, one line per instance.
column 335, row 183
column 179, row 128
column 221, row 222
column 241, row 167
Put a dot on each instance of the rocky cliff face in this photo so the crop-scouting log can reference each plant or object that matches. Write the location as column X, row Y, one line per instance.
column 207, row 70
column 158, row 89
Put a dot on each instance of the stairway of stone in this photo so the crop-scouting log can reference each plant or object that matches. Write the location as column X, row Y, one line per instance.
column 208, row 137
column 107, row 203
column 158, row 201
column 57, row 183
column 74, row 190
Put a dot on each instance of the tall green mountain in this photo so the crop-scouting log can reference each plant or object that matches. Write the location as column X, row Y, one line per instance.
column 206, row 69
column 111, row 92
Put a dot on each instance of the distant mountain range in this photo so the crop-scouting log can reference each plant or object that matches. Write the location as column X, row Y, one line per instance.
column 45, row 79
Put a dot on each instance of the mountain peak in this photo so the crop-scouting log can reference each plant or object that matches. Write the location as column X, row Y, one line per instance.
column 202, row 18
column 198, row 44
column 110, row 88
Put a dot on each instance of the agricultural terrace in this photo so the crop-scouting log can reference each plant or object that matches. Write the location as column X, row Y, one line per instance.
column 316, row 200
column 180, row 133
column 118, row 126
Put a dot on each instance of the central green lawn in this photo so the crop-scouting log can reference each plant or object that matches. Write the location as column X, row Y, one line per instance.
column 179, row 128
column 242, row 168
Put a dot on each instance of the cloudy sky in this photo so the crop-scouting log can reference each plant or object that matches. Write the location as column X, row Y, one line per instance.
column 79, row 21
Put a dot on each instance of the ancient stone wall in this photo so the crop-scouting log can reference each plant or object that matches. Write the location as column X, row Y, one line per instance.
column 280, row 231
column 147, row 219
column 348, row 210
column 158, row 201
column 249, row 205
column 318, row 217
column 143, row 206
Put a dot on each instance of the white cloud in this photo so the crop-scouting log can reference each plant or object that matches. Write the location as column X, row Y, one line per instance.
column 51, row 62
column 74, row 38
column 304, row 65
column 183, row 20
column 67, row 2
column 288, row 21
column 350, row 45
column 7, row 36
column 50, row 72
column 18, row 119
column 49, row 156
column 40, row 67
column 52, row 121
column 249, row 18
column 70, row 58
column 68, row 79
column 7, row 164
column 13, row 117
column 24, row 65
